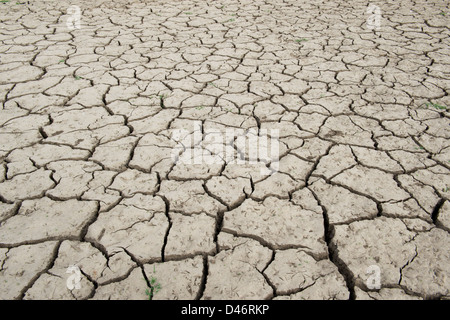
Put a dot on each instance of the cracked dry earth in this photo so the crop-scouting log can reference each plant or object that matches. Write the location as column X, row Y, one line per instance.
column 88, row 179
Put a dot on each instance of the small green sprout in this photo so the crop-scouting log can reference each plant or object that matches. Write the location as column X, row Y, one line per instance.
column 149, row 294
column 154, row 288
column 436, row 106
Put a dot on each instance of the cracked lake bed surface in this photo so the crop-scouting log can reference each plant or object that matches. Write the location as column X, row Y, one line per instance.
column 355, row 205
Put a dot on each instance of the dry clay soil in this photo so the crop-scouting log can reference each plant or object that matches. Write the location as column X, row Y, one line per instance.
column 88, row 178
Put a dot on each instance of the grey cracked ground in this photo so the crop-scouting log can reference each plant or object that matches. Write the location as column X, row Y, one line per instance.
column 87, row 177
